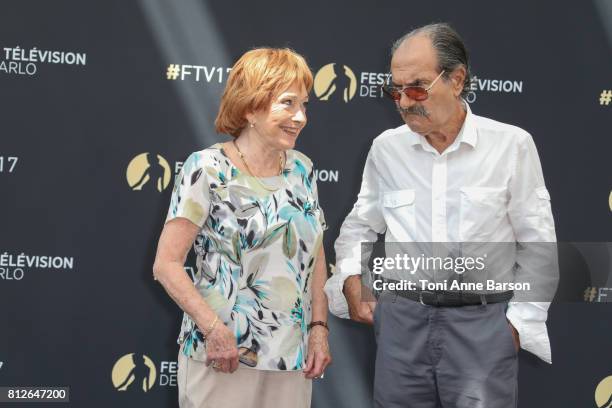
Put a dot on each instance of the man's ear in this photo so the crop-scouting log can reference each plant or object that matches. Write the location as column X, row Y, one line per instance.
column 458, row 79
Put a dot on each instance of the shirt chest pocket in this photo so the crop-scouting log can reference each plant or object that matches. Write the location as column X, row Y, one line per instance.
column 483, row 211
column 398, row 209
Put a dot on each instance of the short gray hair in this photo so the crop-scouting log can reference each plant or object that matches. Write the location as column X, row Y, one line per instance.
column 449, row 47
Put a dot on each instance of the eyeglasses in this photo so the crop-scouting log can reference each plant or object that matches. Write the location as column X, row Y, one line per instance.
column 417, row 93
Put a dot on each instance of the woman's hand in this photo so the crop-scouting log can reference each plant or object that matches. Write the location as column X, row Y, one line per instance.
column 221, row 349
column 318, row 352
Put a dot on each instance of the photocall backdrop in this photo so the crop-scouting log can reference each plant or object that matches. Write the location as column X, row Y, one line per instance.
column 102, row 101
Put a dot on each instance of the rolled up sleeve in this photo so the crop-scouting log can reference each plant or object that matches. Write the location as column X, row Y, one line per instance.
column 362, row 224
column 531, row 217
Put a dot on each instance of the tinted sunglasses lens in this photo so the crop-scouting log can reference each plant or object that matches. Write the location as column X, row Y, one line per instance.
column 392, row 92
column 416, row 92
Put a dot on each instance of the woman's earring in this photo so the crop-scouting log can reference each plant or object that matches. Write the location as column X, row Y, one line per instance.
column 252, row 125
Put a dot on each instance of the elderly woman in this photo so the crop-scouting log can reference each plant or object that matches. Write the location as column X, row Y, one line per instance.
column 254, row 332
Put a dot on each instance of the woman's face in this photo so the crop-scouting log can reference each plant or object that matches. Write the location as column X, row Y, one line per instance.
column 280, row 125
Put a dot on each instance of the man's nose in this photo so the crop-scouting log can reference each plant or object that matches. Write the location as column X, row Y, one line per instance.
column 405, row 101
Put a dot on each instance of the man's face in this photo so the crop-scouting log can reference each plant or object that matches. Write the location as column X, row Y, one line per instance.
column 415, row 63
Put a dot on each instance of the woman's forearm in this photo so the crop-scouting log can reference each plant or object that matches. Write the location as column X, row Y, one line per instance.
column 319, row 299
column 177, row 284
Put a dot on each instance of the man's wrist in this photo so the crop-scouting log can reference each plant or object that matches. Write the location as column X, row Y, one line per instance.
column 350, row 283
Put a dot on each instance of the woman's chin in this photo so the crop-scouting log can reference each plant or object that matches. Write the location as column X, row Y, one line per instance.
column 287, row 142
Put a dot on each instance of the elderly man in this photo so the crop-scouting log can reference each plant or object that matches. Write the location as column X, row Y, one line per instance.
column 448, row 175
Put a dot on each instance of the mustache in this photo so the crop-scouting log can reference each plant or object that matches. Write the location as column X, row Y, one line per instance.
column 418, row 110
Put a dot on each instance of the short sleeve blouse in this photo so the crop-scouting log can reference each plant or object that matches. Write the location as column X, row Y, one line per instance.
column 255, row 253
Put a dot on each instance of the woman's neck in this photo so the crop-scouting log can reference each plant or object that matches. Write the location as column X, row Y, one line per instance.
column 262, row 159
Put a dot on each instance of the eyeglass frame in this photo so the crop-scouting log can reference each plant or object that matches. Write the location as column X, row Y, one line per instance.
column 402, row 90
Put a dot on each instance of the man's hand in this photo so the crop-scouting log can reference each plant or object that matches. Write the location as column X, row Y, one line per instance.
column 360, row 310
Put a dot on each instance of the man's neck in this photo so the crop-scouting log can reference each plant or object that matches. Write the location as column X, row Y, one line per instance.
column 444, row 137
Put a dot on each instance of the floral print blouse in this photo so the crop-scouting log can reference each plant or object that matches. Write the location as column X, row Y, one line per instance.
column 255, row 253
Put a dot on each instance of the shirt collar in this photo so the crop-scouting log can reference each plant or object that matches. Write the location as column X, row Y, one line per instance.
column 467, row 134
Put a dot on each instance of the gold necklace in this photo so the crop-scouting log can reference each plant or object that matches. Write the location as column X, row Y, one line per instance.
column 241, row 155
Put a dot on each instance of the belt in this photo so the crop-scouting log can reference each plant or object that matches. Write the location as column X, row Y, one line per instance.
column 444, row 298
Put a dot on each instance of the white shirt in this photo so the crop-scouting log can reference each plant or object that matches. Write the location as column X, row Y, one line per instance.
column 487, row 186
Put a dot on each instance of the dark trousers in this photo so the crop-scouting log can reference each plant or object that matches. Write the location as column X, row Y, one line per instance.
column 443, row 357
